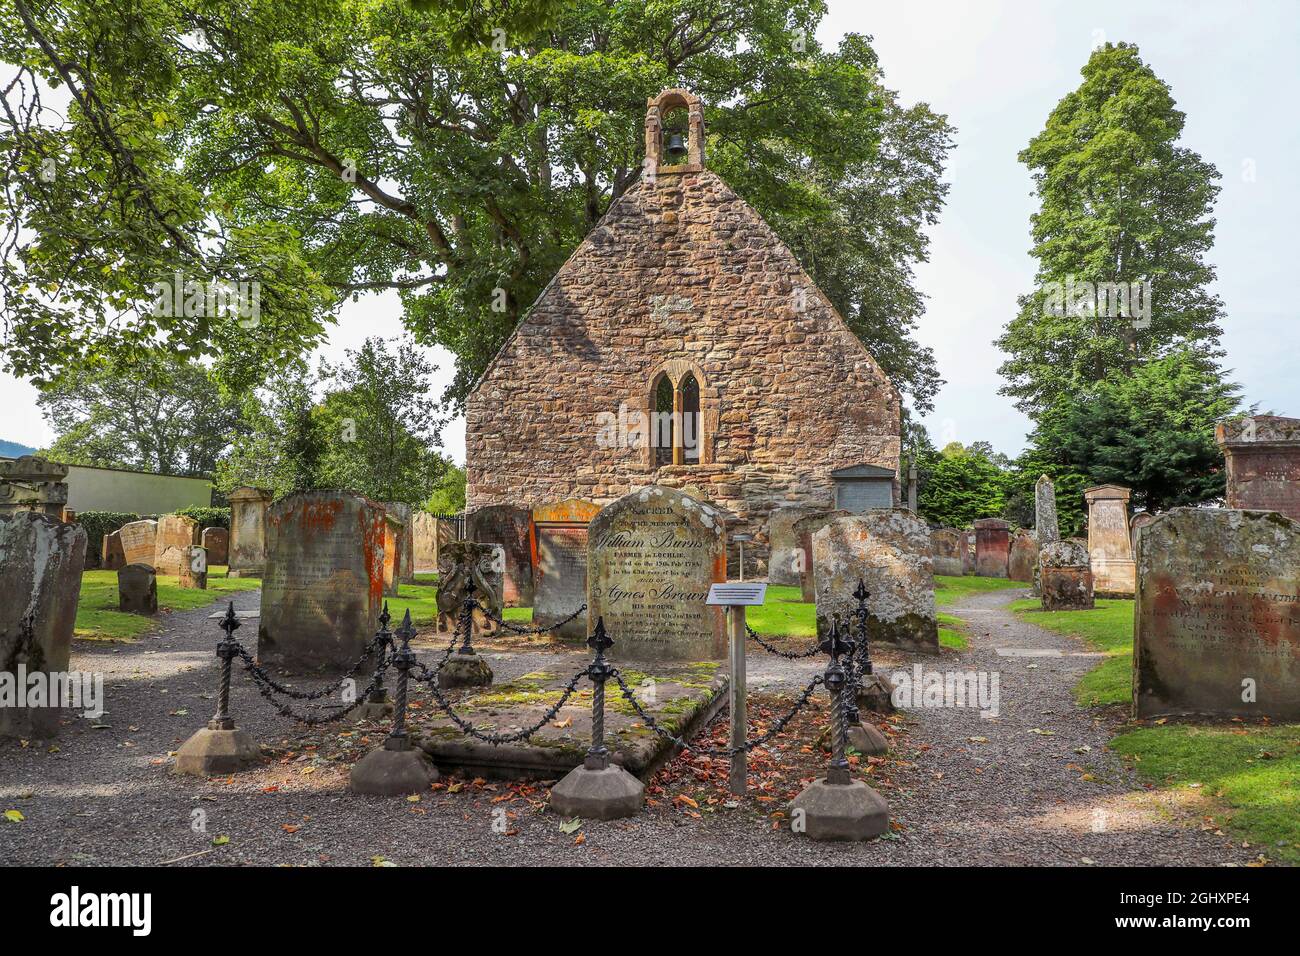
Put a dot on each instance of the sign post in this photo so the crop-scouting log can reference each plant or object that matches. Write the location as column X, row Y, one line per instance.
column 735, row 598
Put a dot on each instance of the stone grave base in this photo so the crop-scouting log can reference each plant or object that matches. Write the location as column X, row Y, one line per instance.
column 608, row 793
column 876, row 694
column 216, row 750
column 686, row 697
column 464, row 670
column 391, row 772
column 867, row 739
column 846, row 811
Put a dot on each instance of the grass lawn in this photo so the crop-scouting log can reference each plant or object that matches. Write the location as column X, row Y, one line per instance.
column 1250, row 773
column 98, row 618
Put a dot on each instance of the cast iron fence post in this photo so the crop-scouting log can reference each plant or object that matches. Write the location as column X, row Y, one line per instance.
column 836, row 681
column 379, row 693
column 227, row 651
column 599, row 671
column 403, row 660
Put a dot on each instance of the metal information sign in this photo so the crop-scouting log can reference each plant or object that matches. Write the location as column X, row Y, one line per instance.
column 736, row 595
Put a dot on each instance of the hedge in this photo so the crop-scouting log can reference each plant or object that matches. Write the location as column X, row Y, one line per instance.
column 208, row 517
column 98, row 524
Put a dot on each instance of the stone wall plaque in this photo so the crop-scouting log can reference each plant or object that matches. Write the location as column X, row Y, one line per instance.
column 889, row 550
column 139, row 539
column 216, row 541
column 509, row 527
column 41, row 559
column 1218, row 615
column 324, row 581
column 947, row 545
column 560, row 539
column 1262, row 456
column 1110, row 549
column 651, row 557
column 992, row 547
column 247, row 549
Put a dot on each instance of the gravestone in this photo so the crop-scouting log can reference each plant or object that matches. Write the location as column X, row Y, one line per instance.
column 968, row 552
column 1110, row 550
column 509, row 527
column 1138, row 521
column 460, row 562
column 112, row 556
column 139, row 541
column 804, row 529
column 33, row 483
column 1065, row 579
column 216, row 541
column 392, row 553
column 323, row 584
column 560, row 532
column 41, row 559
column 247, row 545
column 1045, row 523
column 405, row 539
column 947, row 546
column 1022, row 561
column 992, row 547
column 651, row 557
column 176, row 535
column 1262, row 458
column 889, row 550
column 1218, row 615
column 786, row 553
column 194, row 569
column 137, row 589
column 424, row 542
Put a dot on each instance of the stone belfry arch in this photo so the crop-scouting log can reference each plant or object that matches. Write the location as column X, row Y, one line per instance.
column 657, row 110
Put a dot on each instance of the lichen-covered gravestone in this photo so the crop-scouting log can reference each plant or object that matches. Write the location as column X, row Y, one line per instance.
column 112, row 556
column 1262, row 458
column 137, row 589
column 216, row 542
column 1218, row 615
column 783, row 541
column 405, row 539
column 1065, row 579
column 1022, row 560
column 992, row 547
column 194, row 570
column 392, row 553
column 424, row 541
column 176, row 535
column 459, row 563
column 1045, row 522
column 561, row 574
column 1110, row 549
column 1136, row 524
column 889, row 550
column 946, row 546
column 652, row 556
column 247, row 550
column 138, row 540
column 804, row 530
column 509, row 527
column 41, row 560
column 324, row 581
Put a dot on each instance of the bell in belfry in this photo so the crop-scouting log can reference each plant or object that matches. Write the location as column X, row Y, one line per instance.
column 676, row 145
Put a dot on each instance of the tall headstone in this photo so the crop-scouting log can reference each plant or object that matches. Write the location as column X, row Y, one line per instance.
column 511, row 528
column 33, row 483
column 324, row 581
column 1022, row 561
column 992, row 547
column 41, row 559
column 1045, row 523
column 783, row 541
column 1218, row 615
column 1110, row 549
column 112, row 556
column 560, row 534
column 137, row 589
column 804, row 529
column 947, row 545
column 216, row 542
column 1065, row 579
column 405, row 539
column 424, row 542
column 171, row 549
column 459, row 563
column 392, row 553
column 248, row 508
column 651, row 557
column 1262, row 456
column 139, row 541
column 889, row 550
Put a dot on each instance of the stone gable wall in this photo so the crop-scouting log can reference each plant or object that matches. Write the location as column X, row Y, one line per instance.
column 680, row 275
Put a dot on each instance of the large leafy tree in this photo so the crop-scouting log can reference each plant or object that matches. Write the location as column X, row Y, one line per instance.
column 958, row 485
column 332, row 147
column 162, row 414
column 1120, row 202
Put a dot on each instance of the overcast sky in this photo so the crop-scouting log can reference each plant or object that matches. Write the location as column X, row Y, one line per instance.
column 996, row 69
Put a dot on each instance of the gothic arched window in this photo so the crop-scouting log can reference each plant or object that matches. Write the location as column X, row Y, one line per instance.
column 676, row 421
column 689, row 389
column 662, row 432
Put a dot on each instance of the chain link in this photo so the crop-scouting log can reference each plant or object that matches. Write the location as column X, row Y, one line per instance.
column 260, row 674
column 521, row 629
column 313, row 720
column 788, row 655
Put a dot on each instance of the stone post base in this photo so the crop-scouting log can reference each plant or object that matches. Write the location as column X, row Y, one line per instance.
column 215, row 750
column 867, row 740
column 845, row 811
column 606, row 794
column 464, row 670
column 374, row 710
column 391, row 773
column 876, row 693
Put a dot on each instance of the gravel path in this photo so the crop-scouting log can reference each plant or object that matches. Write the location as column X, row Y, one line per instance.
column 1020, row 796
